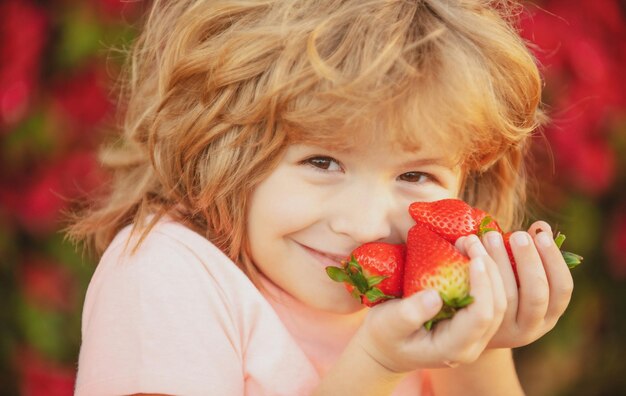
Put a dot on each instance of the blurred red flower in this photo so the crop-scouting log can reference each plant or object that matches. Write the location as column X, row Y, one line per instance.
column 615, row 245
column 82, row 100
column 592, row 169
column 585, row 159
column 37, row 204
column 48, row 284
column 119, row 9
column 23, row 35
column 41, row 377
column 580, row 52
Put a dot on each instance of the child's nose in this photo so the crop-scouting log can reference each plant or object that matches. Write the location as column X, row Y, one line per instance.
column 364, row 218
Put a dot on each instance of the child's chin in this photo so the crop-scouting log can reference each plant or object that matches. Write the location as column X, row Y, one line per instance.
column 342, row 306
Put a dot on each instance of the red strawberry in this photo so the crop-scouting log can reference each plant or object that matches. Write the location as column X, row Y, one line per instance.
column 374, row 272
column 434, row 263
column 452, row 218
column 507, row 245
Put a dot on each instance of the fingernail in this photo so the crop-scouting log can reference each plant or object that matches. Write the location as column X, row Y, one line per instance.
column 520, row 239
column 430, row 298
column 494, row 239
column 543, row 239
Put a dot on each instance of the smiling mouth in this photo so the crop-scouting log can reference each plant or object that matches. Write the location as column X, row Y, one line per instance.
column 327, row 259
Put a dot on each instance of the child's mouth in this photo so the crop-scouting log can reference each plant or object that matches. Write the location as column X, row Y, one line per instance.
column 324, row 258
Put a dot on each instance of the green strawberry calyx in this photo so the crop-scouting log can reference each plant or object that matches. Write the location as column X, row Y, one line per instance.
column 571, row 259
column 364, row 285
column 449, row 308
column 483, row 227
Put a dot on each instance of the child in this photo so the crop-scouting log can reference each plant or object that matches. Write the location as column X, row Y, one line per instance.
column 263, row 141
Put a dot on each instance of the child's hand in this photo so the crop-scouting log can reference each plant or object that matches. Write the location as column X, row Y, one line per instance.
column 393, row 333
column 545, row 282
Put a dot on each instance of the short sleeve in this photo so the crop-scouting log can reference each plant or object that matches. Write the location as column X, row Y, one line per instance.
column 156, row 321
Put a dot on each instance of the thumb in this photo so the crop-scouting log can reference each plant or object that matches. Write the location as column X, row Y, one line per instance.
column 409, row 314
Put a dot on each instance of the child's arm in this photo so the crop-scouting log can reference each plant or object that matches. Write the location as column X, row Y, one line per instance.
column 392, row 341
column 492, row 374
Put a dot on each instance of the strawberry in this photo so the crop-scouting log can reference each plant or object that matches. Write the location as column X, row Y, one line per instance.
column 432, row 262
column 507, row 245
column 452, row 218
column 374, row 272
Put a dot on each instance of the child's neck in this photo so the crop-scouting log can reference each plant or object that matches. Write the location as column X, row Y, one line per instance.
column 322, row 335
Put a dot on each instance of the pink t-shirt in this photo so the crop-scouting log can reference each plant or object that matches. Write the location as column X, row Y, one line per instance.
column 179, row 317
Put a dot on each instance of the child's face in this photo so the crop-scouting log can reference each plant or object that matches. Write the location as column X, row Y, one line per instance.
column 319, row 204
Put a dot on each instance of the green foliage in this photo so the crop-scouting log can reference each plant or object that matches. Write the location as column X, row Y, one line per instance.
column 81, row 37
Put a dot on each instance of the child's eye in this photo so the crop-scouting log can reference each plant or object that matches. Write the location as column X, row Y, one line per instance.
column 416, row 177
column 323, row 163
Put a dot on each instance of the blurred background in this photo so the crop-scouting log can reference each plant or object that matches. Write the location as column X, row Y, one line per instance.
column 57, row 75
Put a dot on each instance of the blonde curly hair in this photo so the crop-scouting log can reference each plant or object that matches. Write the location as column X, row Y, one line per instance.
column 214, row 91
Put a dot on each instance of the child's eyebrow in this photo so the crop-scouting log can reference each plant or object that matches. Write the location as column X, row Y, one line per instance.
column 444, row 162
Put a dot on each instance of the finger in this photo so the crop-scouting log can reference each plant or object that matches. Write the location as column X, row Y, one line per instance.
column 499, row 293
column 460, row 244
column 533, row 288
column 558, row 275
column 475, row 248
column 401, row 318
column 539, row 226
column 495, row 247
column 456, row 338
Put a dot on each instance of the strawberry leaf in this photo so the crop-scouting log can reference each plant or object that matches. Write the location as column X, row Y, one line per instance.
column 374, row 280
column 457, row 302
column 353, row 265
column 429, row 325
column 337, row 274
column 360, row 282
column 465, row 301
column 375, row 294
column 446, row 312
column 482, row 227
column 571, row 259
column 559, row 239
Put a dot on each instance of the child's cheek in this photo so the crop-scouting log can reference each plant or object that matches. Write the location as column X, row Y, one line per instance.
column 285, row 204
